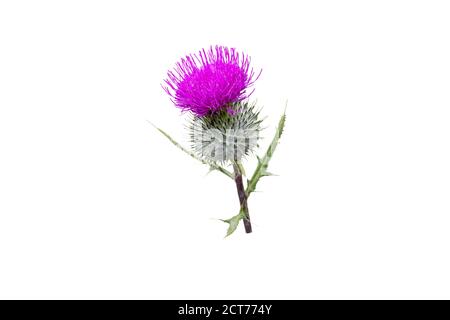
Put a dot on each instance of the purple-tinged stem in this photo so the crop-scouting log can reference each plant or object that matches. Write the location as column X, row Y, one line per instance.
column 242, row 197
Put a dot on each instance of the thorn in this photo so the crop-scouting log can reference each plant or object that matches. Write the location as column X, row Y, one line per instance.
column 152, row 124
column 267, row 173
column 209, row 171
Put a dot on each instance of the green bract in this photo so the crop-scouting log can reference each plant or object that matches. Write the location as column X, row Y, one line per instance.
column 227, row 135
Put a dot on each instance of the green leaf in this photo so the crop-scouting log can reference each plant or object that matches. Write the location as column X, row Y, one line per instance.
column 213, row 166
column 233, row 223
column 263, row 163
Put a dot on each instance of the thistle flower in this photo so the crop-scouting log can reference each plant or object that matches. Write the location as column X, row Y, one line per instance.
column 210, row 81
column 224, row 127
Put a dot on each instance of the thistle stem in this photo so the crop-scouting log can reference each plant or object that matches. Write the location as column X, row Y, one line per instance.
column 242, row 197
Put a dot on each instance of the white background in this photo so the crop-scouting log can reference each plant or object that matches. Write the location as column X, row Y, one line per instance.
column 94, row 203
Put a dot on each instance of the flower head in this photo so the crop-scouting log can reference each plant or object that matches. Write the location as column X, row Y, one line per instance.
column 226, row 136
column 210, row 81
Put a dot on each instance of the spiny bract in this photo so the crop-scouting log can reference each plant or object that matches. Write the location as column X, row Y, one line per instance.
column 227, row 135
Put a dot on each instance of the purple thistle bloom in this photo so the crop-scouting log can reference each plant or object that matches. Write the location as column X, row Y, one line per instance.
column 210, row 81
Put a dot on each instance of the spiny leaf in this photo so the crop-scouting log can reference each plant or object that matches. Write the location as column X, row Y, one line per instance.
column 233, row 223
column 213, row 166
column 263, row 163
